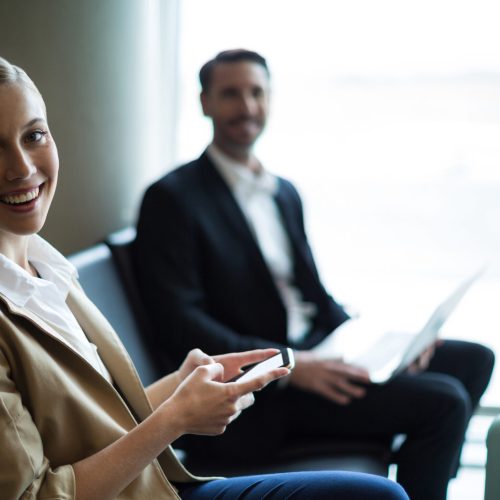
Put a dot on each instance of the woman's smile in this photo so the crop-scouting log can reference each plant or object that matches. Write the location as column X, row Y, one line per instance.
column 23, row 200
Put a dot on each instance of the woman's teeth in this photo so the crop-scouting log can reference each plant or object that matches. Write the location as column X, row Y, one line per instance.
column 16, row 199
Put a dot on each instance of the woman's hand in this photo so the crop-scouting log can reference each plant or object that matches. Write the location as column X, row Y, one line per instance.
column 203, row 404
column 195, row 358
column 163, row 388
column 232, row 363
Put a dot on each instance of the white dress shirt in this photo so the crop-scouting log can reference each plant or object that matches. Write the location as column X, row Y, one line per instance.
column 254, row 192
column 46, row 296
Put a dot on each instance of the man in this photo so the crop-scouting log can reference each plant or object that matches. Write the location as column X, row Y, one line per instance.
column 224, row 264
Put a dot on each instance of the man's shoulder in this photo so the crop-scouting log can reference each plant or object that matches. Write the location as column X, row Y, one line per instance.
column 186, row 186
column 285, row 183
column 287, row 188
column 186, row 173
column 186, row 178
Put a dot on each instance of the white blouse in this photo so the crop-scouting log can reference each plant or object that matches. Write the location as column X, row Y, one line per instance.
column 46, row 296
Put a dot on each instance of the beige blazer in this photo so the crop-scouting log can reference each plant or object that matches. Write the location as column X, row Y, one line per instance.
column 56, row 409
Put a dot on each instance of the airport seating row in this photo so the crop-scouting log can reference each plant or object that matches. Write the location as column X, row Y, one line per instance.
column 107, row 275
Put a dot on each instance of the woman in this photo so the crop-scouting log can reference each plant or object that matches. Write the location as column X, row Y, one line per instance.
column 75, row 421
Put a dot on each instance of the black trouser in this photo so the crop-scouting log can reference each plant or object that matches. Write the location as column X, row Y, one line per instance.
column 432, row 409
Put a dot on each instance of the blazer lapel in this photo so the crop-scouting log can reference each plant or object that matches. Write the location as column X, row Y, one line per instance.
column 110, row 349
column 304, row 273
column 43, row 326
column 114, row 356
column 228, row 207
column 289, row 218
column 230, row 211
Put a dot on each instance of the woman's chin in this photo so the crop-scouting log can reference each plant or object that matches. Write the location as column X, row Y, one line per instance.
column 27, row 228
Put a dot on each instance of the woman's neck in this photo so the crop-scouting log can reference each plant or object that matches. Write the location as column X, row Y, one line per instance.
column 16, row 249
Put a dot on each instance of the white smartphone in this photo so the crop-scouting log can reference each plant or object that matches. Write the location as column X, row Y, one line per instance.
column 283, row 359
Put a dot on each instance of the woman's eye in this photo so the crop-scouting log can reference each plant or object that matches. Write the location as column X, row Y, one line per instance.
column 36, row 136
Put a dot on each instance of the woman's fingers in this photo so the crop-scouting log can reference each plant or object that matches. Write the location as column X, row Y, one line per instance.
column 257, row 383
column 207, row 406
column 195, row 357
column 213, row 371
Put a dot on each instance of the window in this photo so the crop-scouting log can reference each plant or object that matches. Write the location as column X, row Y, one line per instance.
column 386, row 115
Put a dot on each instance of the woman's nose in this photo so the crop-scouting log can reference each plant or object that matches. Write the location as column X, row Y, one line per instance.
column 19, row 165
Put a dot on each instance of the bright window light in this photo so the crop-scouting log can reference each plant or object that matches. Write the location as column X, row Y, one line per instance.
column 386, row 115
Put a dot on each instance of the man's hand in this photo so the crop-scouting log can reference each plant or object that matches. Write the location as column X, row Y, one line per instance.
column 331, row 378
column 422, row 362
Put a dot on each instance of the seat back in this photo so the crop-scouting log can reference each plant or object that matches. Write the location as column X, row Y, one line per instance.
column 102, row 282
column 120, row 243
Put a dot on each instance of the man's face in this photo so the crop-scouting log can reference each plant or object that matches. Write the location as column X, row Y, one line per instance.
column 237, row 101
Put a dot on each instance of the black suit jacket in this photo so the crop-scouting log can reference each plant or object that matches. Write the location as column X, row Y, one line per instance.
column 201, row 272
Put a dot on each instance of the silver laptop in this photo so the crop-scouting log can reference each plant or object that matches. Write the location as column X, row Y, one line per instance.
column 395, row 351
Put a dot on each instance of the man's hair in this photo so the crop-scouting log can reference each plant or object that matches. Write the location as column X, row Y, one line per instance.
column 229, row 56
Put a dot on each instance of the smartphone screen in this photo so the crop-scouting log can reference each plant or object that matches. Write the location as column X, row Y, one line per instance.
column 283, row 358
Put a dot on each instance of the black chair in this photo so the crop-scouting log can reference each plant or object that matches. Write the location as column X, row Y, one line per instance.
column 107, row 275
column 99, row 276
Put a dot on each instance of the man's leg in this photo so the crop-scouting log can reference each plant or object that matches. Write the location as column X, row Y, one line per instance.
column 431, row 409
column 470, row 363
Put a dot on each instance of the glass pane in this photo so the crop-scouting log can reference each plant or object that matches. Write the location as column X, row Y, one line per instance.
column 386, row 115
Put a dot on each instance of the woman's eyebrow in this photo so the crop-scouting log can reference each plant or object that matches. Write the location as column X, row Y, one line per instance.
column 32, row 122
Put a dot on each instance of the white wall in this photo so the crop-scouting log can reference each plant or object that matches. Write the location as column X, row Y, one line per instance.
column 104, row 69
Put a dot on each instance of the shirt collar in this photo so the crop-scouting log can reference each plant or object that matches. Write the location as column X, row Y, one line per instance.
column 18, row 285
column 238, row 176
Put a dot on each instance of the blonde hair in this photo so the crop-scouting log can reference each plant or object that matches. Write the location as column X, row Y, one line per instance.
column 10, row 74
column 14, row 75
